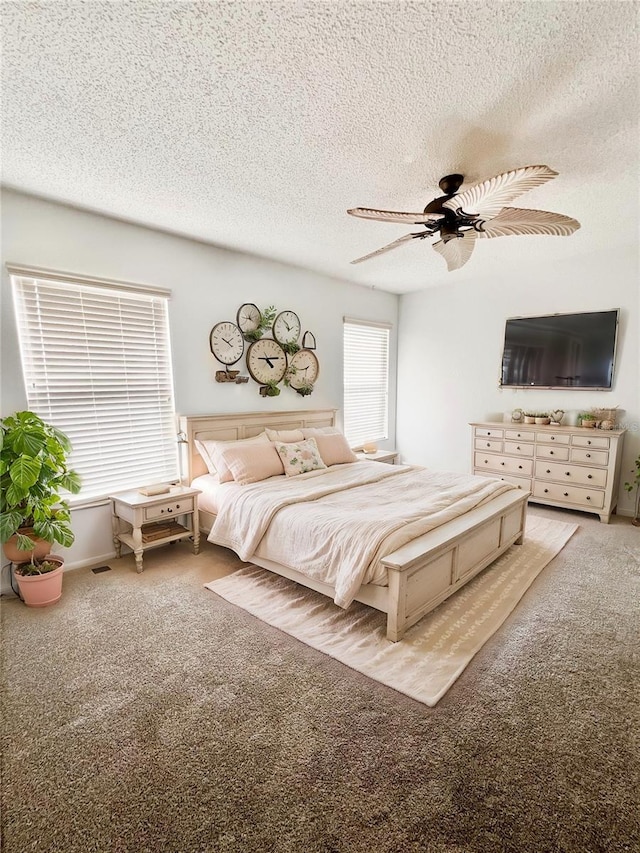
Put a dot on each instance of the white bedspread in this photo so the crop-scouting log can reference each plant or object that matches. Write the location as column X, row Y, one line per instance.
column 335, row 527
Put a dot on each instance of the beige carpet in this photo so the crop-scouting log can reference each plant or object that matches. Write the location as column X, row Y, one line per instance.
column 436, row 650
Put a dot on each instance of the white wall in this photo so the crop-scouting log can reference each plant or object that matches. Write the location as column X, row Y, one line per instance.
column 450, row 349
column 208, row 284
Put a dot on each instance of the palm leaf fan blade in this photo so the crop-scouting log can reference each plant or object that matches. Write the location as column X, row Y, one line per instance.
column 456, row 252
column 393, row 215
column 515, row 221
column 487, row 199
column 389, row 246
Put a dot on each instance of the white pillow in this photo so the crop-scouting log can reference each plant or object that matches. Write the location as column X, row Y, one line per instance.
column 333, row 446
column 216, row 463
column 298, row 457
column 285, row 435
column 252, row 462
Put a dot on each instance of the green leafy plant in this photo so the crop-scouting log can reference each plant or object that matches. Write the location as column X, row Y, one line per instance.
column 33, row 473
column 586, row 416
column 267, row 316
column 304, row 390
column 270, row 389
column 290, row 348
column 634, row 485
column 37, row 567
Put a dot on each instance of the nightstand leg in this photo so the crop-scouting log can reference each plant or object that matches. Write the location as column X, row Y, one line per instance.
column 115, row 529
column 196, row 530
column 138, row 550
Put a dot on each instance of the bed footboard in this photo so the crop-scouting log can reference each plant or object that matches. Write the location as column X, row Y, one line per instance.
column 426, row 571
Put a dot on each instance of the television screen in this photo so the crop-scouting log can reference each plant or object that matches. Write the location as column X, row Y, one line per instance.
column 560, row 351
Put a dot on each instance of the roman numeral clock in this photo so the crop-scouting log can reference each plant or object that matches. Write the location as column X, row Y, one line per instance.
column 271, row 359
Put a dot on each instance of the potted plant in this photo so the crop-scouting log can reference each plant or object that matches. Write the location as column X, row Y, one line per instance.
column 33, row 473
column 269, row 390
column 634, row 485
column 587, row 419
column 40, row 581
column 543, row 418
column 529, row 417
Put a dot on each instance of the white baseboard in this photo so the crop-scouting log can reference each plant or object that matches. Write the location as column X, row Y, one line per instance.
column 5, row 578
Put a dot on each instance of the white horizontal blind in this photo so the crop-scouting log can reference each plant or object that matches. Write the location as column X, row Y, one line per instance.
column 366, row 382
column 97, row 365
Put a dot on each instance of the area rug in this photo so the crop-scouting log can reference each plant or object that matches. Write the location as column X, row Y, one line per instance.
column 436, row 650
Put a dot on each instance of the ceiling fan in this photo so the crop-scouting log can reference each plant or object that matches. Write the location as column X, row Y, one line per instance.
column 461, row 218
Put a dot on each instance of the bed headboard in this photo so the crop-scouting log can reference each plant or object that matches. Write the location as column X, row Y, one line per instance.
column 235, row 426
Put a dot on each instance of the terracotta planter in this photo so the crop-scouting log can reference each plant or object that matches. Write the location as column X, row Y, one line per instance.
column 42, row 590
column 13, row 553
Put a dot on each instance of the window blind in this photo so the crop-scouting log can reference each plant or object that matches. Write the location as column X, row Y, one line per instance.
column 97, row 365
column 366, row 381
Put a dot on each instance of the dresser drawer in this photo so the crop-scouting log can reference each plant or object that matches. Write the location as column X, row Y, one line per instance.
column 503, row 464
column 489, row 433
column 571, row 473
column 592, row 457
column 519, row 434
column 546, row 451
column 569, row 494
column 553, row 438
column 173, row 508
column 600, row 442
column 517, row 448
column 489, row 444
column 519, row 482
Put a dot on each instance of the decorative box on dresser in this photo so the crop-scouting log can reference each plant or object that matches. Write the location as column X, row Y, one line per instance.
column 571, row 467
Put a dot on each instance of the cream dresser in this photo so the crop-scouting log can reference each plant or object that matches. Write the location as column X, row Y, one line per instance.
column 571, row 467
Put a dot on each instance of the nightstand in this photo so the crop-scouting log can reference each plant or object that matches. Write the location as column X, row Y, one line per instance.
column 148, row 521
column 388, row 456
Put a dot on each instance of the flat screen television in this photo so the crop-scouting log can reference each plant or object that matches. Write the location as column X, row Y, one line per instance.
column 560, row 351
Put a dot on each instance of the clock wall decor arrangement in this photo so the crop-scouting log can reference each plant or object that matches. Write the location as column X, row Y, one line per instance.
column 270, row 359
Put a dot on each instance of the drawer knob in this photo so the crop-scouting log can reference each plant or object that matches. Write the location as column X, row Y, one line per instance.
column 518, row 436
column 588, row 498
column 588, row 456
column 488, row 444
column 520, row 466
column 551, row 453
column 161, row 511
column 177, row 506
column 518, row 447
column 502, row 463
column 548, row 471
column 546, row 491
column 589, row 476
column 589, row 441
column 566, row 494
column 488, row 433
column 169, row 510
column 568, row 473
column 553, row 438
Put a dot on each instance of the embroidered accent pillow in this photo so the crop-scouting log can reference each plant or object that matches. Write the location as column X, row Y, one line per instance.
column 299, row 457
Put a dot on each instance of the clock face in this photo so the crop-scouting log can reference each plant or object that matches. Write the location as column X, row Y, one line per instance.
column 304, row 369
column 286, row 327
column 226, row 342
column 248, row 317
column 266, row 361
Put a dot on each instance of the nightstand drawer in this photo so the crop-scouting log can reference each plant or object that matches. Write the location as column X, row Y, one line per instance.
column 178, row 507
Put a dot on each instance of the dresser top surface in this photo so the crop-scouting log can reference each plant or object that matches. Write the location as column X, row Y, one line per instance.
column 546, row 427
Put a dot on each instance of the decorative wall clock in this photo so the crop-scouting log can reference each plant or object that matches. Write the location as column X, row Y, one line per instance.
column 286, row 327
column 226, row 342
column 248, row 317
column 303, row 371
column 266, row 361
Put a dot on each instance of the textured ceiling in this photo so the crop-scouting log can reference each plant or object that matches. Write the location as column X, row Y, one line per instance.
column 255, row 125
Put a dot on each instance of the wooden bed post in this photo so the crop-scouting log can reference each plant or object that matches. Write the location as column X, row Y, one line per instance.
column 397, row 605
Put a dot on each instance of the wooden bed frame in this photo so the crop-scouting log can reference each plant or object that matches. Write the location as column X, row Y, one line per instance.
column 422, row 573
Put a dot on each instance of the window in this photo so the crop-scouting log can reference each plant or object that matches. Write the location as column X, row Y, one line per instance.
column 366, row 381
column 96, row 360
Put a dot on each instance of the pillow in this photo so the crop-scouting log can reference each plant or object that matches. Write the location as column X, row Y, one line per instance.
column 284, row 435
column 216, row 463
column 299, row 457
column 251, row 462
column 333, row 446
